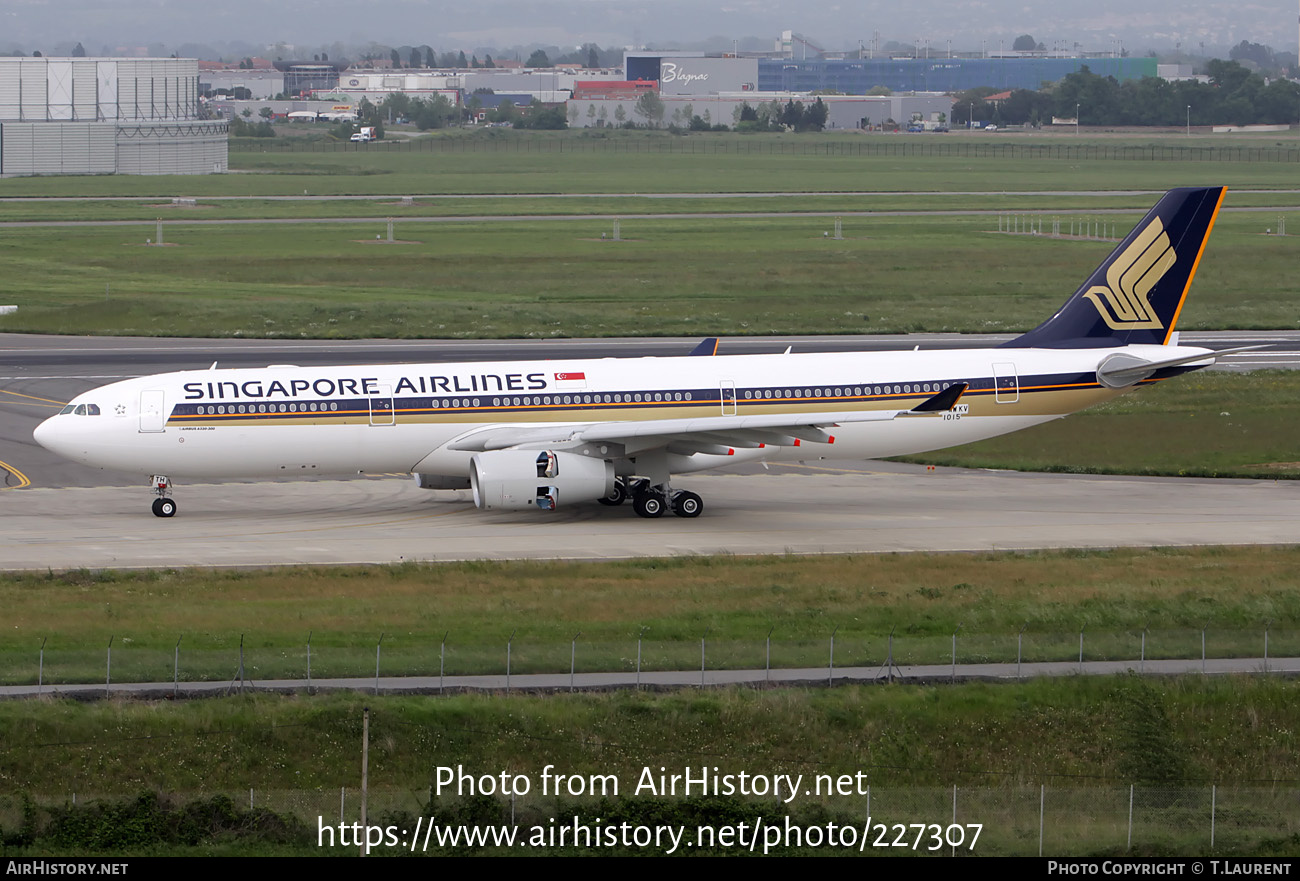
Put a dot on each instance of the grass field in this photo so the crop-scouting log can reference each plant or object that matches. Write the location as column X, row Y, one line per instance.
column 557, row 278
column 1079, row 733
column 647, row 162
column 671, row 603
column 1202, row 425
column 680, row 275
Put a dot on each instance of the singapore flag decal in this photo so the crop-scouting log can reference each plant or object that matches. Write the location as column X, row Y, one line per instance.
column 571, row 379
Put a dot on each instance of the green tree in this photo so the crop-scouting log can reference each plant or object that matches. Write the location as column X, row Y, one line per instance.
column 395, row 57
column 396, row 105
column 78, row 51
column 488, row 62
column 791, row 115
column 815, row 116
column 504, row 112
column 416, row 58
column 461, row 62
column 650, row 108
column 540, row 116
column 1247, row 51
column 266, row 113
column 1024, row 43
column 431, row 113
column 593, row 56
column 1229, row 76
column 538, row 59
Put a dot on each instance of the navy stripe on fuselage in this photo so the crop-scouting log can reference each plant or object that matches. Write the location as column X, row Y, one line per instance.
column 571, row 405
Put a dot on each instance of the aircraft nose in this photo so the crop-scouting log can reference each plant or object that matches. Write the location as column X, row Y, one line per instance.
column 48, row 434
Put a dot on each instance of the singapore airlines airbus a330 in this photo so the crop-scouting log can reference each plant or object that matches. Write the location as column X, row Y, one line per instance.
column 548, row 434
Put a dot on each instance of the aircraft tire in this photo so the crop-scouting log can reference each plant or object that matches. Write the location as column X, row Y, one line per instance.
column 687, row 504
column 164, row 508
column 616, row 497
column 648, row 505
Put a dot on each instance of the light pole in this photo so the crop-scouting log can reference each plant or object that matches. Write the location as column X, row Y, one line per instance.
column 1189, row 120
column 1076, row 120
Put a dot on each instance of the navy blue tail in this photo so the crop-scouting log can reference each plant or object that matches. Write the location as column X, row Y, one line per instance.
column 1135, row 295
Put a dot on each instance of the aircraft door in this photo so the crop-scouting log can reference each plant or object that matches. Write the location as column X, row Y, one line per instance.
column 1006, row 383
column 152, row 410
column 728, row 397
column 381, row 407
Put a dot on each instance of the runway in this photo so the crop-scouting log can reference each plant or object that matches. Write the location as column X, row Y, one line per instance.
column 809, row 509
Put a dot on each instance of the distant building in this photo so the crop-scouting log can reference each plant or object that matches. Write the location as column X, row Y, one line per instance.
column 106, row 116
column 860, row 75
column 584, row 89
column 304, row 77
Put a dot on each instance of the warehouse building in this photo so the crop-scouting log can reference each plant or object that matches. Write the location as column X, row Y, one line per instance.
column 106, row 116
column 860, row 75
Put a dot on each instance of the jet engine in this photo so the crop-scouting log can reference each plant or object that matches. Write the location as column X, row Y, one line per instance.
column 521, row 479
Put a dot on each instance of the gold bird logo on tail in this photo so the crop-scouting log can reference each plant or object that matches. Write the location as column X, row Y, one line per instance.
column 1124, row 304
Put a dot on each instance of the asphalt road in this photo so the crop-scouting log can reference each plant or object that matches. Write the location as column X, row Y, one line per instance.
column 557, row 682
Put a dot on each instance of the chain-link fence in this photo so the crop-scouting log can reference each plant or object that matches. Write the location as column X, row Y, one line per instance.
column 240, row 659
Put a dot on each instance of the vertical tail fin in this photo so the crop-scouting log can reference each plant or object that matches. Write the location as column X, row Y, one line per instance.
column 1135, row 295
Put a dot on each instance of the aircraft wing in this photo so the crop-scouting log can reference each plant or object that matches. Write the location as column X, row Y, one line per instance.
column 716, row 435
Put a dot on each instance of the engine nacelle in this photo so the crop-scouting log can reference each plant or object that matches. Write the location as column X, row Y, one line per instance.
column 521, row 479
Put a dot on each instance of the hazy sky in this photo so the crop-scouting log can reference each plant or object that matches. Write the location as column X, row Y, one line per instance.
column 834, row 24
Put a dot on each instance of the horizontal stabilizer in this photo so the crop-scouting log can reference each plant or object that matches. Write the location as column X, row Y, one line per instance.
column 1119, row 370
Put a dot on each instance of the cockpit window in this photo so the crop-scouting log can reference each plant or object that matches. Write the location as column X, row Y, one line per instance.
column 92, row 409
column 81, row 409
column 68, row 409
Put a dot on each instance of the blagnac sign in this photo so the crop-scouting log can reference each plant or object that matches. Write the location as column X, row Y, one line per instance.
column 670, row 72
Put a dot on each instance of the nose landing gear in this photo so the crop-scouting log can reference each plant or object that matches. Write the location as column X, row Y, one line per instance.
column 164, row 505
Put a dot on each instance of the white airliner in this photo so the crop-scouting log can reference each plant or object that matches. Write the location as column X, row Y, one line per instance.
column 547, row 434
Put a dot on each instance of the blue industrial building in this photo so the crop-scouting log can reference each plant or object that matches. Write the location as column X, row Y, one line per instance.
column 858, row 76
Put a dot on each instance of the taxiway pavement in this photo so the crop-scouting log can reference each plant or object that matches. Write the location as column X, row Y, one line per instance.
column 808, row 509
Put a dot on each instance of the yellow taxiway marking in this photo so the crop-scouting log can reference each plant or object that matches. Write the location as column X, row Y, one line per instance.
column 821, row 468
column 36, row 404
column 22, row 478
column 33, row 397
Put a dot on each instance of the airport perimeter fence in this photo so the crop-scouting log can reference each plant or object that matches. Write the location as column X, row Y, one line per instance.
column 867, row 146
column 1024, row 820
column 248, row 658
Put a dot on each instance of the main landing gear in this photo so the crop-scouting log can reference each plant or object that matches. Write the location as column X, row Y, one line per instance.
column 654, row 501
column 164, row 505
